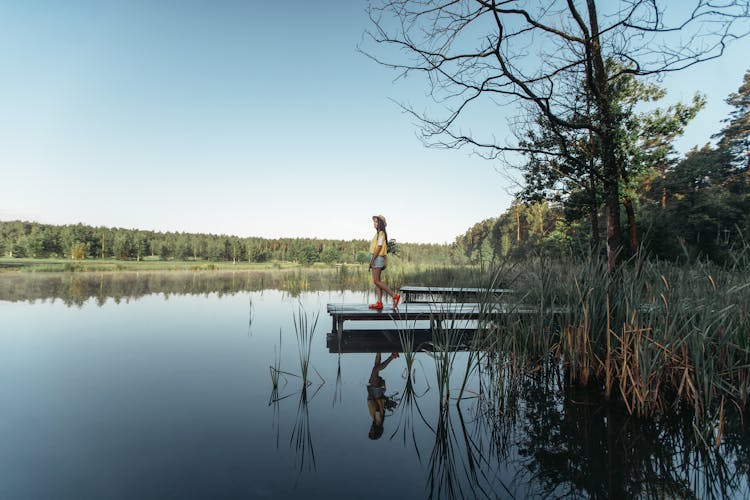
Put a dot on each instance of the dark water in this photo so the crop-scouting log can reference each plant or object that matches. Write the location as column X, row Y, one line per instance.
column 164, row 394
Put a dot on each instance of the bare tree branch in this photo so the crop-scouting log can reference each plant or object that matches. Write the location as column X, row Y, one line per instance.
column 480, row 53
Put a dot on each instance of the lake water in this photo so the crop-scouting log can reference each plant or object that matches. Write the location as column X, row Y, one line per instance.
column 144, row 393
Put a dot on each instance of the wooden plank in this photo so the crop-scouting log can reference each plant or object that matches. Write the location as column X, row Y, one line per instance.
column 459, row 310
column 419, row 309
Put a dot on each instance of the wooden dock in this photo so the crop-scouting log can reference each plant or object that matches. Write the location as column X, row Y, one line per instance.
column 434, row 312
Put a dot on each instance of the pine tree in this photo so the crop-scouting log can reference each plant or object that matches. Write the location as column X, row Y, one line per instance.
column 735, row 136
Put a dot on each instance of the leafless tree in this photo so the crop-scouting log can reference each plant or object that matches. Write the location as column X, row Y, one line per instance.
column 481, row 53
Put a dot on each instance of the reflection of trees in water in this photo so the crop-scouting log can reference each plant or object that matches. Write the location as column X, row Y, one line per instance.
column 574, row 444
column 77, row 288
column 537, row 437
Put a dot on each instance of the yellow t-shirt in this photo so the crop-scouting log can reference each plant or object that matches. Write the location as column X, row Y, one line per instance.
column 379, row 239
column 376, row 406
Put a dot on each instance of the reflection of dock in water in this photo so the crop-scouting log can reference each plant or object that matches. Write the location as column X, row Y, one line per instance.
column 371, row 341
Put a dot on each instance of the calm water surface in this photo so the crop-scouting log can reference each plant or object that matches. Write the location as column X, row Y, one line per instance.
column 162, row 396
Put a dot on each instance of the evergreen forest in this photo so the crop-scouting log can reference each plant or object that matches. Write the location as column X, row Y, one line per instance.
column 21, row 239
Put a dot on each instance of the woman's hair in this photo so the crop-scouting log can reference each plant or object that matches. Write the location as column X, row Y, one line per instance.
column 381, row 227
column 375, row 431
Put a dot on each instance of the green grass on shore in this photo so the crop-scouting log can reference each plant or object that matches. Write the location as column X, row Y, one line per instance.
column 9, row 264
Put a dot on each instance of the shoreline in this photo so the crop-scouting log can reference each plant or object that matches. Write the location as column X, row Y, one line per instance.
column 26, row 265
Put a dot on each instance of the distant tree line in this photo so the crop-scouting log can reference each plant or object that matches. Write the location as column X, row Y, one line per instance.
column 80, row 241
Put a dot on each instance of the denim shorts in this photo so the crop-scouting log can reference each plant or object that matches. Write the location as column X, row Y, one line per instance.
column 379, row 262
column 375, row 391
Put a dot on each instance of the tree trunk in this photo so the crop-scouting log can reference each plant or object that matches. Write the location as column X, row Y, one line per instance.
column 597, row 75
column 594, row 219
column 632, row 230
column 593, row 207
column 612, row 214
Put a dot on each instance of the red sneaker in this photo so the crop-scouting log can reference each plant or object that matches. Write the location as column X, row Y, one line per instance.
column 376, row 305
column 396, row 299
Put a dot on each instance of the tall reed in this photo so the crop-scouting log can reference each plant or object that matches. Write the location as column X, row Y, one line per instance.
column 304, row 330
column 654, row 337
column 445, row 347
column 409, row 402
column 457, row 468
column 275, row 369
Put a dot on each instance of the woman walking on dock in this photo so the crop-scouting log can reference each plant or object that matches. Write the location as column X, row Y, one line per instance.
column 378, row 256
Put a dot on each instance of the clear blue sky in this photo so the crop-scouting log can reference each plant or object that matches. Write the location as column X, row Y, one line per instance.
column 239, row 117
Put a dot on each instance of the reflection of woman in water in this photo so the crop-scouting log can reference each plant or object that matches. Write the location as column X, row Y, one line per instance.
column 376, row 400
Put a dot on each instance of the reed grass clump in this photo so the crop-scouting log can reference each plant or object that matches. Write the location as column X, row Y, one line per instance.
column 275, row 369
column 655, row 337
column 444, row 350
column 304, row 329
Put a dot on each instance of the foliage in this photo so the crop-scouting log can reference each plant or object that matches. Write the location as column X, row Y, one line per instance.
column 735, row 136
column 704, row 210
column 362, row 257
column 330, row 255
column 306, row 254
column 566, row 166
column 78, row 251
column 393, row 247
column 34, row 240
column 523, row 228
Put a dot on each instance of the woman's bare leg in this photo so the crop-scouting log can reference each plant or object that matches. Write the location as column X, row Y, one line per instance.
column 381, row 287
column 375, row 281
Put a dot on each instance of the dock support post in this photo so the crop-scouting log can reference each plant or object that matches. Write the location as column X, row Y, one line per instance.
column 434, row 323
column 337, row 324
